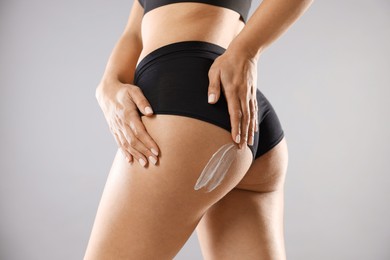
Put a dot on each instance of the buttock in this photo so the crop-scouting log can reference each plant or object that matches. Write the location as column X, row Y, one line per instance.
column 174, row 79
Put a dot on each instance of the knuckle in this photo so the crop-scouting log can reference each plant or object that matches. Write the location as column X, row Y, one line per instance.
column 147, row 152
column 120, row 139
column 132, row 142
column 246, row 116
column 246, row 124
column 133, row 115
column 135, row 133
column 245, row 112
column 247, row 121
column 252, row 110
column 125, row 146
column 126, row 136
column 131, row 151
column 212, row 69
column 236, row 113
column 134, row 91
column 134, row 88
column 124, row 114
column 141, row 134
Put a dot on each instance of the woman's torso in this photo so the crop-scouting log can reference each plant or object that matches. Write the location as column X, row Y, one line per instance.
column 188, row 21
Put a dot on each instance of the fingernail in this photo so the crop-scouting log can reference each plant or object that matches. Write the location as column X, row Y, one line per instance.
column 211, row 98
column 154, row 161
column 148, row 110
column 238, row 139
column 142, row 162
column 154, row 151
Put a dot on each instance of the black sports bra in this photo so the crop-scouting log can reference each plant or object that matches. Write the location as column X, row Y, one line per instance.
column 240, row 6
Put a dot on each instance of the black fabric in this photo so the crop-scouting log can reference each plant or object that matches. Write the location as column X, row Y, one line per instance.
column 240, row 6
column 174, row 79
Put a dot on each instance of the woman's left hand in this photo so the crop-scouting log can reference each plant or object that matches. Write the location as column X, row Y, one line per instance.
column 235, row 72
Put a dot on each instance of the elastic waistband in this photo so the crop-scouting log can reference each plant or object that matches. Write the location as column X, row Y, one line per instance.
column 202, row 48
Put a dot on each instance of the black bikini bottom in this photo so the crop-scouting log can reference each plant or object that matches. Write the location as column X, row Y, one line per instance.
column 174, row 79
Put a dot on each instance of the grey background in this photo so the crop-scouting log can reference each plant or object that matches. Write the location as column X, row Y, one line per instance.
column 327, row 77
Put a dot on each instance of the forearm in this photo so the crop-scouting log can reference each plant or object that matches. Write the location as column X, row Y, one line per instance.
column 122, row 61
column 271, row 19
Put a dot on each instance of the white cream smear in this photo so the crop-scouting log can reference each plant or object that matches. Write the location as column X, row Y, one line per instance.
column 216, row 168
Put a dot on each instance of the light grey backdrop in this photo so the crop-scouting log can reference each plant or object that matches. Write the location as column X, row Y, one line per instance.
column 327, row 77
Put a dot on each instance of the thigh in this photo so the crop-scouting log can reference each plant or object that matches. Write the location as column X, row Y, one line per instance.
column 248, row 222
column 149, row 213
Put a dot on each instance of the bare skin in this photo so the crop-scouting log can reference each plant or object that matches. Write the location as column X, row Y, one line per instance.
column 149, row 211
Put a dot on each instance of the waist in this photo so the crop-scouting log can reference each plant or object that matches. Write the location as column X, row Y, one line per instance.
column 177, row 22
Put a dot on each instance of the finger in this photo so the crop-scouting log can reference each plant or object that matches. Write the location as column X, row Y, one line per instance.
column 125, row 154
column 252, row 111
column 256, row 116
column 125, row 132
column 133, row 148
column 139, row 151
column 140, row 100
column 150, row 153
column 122, row 145
column 136, row 146
column 141, row 159
column 214, row 89
column 126, row 144
column 244, row 120
column 235, row 114
column 123, row 138
column 139, row 130
column 252, row 121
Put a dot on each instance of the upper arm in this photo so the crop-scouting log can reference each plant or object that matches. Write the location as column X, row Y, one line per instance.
column 133, row 26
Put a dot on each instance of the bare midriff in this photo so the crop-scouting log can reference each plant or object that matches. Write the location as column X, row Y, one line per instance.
column 186, row 22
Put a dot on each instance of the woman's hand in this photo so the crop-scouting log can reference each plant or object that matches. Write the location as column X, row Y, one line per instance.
column 236, row 73
column 119, row 103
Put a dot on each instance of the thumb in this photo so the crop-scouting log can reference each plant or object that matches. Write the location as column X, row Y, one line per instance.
column 214, row 87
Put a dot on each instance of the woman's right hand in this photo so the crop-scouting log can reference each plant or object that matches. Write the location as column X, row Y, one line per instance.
column 119, row 103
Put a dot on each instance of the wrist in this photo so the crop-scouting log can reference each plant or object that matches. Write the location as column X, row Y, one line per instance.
column 106, row 90
column 245, row 49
